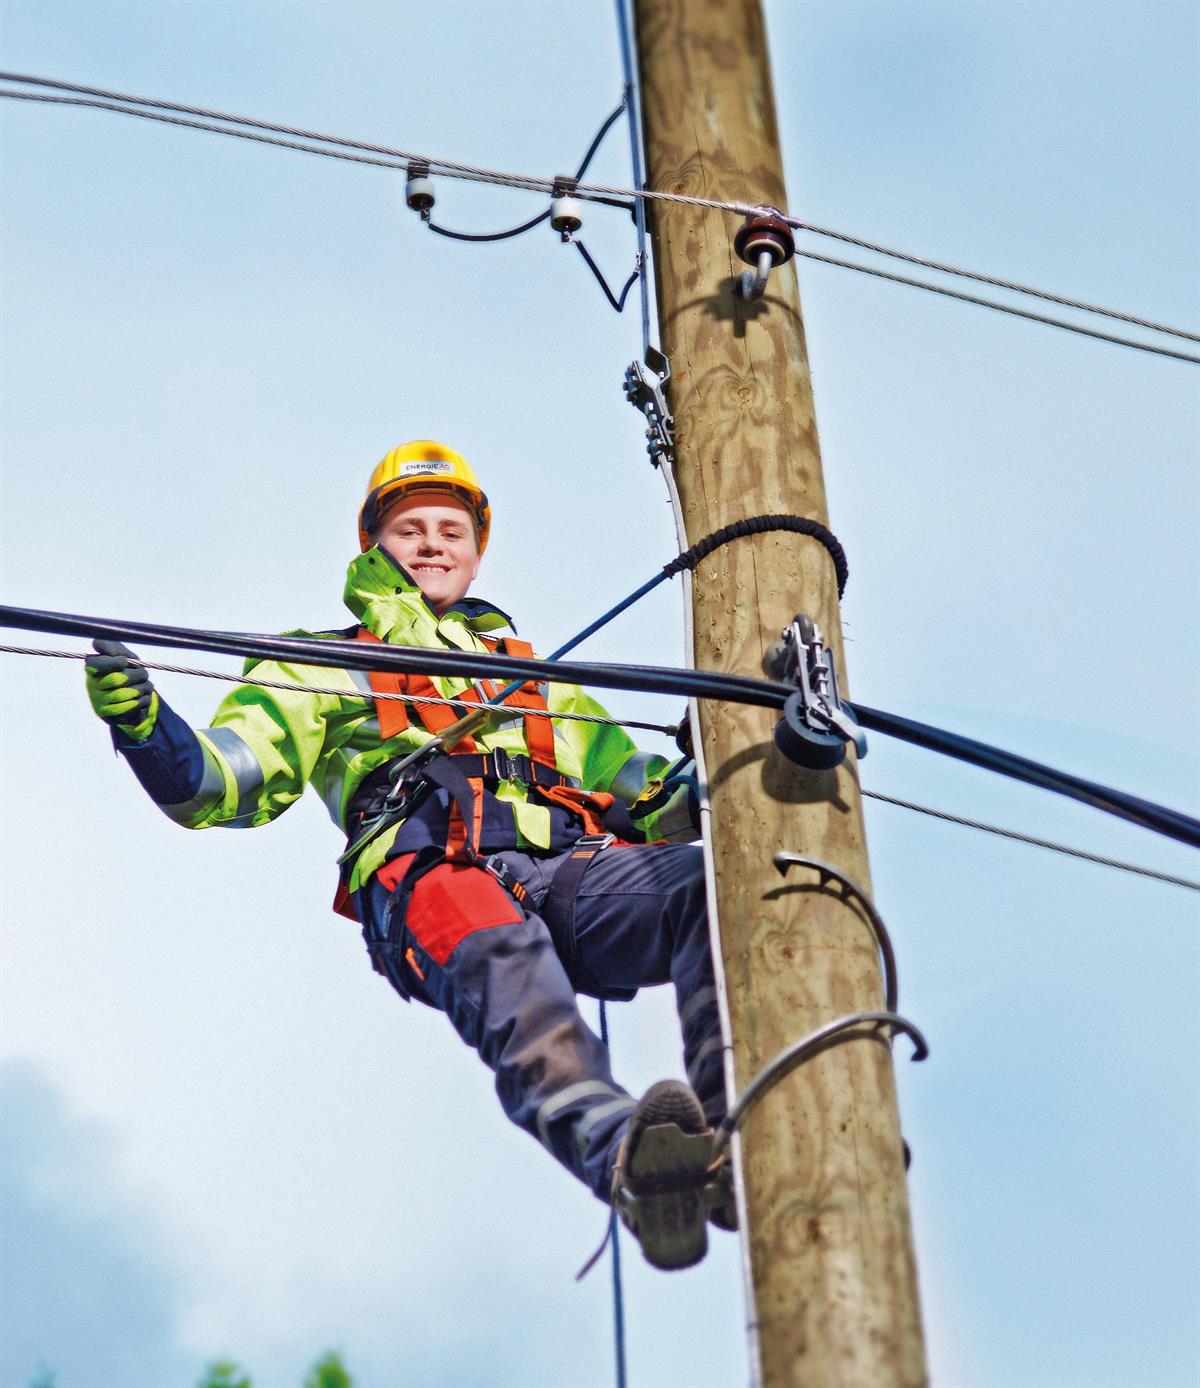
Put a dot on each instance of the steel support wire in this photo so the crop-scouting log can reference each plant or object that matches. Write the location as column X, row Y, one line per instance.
column 339, row 147
column 647, row 679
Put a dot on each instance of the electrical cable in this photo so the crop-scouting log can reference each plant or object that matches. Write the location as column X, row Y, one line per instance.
column 101, row 99
column 520, row 230
column 479, row 236
column 467, row 705
column 1011, row 309
column 649, row 679
column 1034, row 842
column 1171, row 823
column 617, row 302
column 667, row 729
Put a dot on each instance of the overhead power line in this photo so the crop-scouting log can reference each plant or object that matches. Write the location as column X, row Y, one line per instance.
column 650, row 679
column 291, row 687
column 1034, row 842
column 1002, row 308
column 385, row 156
column 669, row 729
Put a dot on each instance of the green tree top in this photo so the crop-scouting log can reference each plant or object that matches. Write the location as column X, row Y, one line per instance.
column 224, row 1373
column 328, row 1372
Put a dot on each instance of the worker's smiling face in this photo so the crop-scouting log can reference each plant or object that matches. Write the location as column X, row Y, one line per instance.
column 433, row 537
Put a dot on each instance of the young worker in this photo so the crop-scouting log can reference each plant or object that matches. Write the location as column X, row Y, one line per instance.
column 485, row 878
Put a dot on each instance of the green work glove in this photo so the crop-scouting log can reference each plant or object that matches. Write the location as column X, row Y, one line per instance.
column 120, row 690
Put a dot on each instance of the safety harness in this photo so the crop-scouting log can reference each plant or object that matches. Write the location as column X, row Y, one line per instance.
column 465, row 773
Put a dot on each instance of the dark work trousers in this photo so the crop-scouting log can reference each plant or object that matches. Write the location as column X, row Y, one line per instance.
column 640, row 919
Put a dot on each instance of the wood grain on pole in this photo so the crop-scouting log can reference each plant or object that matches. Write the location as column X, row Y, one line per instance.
column 830, row 1244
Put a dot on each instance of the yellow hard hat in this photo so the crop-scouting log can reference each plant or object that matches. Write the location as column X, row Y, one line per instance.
column 427, row 466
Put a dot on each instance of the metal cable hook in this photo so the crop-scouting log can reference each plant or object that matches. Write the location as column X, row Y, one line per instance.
column 854, row 1026
column 851, row 890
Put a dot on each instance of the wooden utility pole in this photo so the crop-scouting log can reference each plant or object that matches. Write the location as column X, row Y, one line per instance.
column 834, row 1280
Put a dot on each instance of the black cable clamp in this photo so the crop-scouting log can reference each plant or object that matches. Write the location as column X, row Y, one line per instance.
column 816, row 725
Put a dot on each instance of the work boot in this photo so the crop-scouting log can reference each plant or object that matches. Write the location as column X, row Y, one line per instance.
column 660, row 1175
column 722, row 1205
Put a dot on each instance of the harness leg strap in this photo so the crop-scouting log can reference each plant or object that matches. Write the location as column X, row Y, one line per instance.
column 558, row 907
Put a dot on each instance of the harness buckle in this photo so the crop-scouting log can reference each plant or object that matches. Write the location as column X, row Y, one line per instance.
column 595, row 842
column 505, row 765
column 503, row 874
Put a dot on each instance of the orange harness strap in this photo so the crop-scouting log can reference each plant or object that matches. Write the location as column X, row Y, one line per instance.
column 394, row 718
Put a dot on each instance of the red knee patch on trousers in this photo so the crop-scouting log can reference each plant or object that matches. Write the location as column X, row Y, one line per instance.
column 453, row 901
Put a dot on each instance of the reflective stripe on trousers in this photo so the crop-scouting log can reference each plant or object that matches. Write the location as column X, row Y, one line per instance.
column 640, row 920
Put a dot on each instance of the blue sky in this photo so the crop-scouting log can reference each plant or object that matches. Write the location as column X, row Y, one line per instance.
column 220, row 1132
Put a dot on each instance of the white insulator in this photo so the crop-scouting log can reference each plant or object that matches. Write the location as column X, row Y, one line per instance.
column 418, row 192
column 566, row 215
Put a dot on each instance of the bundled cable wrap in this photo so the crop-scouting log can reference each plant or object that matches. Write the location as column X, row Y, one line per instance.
column 761, row 525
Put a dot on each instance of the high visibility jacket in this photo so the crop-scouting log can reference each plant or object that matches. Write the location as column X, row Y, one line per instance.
column 265, row 744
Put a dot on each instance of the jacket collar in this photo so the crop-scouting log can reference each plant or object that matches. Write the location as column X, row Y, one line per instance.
column 385, row 598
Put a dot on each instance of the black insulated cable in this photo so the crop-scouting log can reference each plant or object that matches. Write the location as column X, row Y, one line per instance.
column 648, row 679
column 481, row 236
column 618, row 302
column 1171, row 823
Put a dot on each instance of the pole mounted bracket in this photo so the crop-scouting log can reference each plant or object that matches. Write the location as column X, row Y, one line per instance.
column 645, row 389
column 816, row 725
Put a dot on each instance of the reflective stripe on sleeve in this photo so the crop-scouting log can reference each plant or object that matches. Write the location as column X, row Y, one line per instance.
column 564, row 1099
column 247, row 773
column 675, row 822
column 362, row 682
column 208, row 793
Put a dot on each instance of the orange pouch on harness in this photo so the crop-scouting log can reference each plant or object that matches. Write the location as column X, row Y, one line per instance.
column 452, row 901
